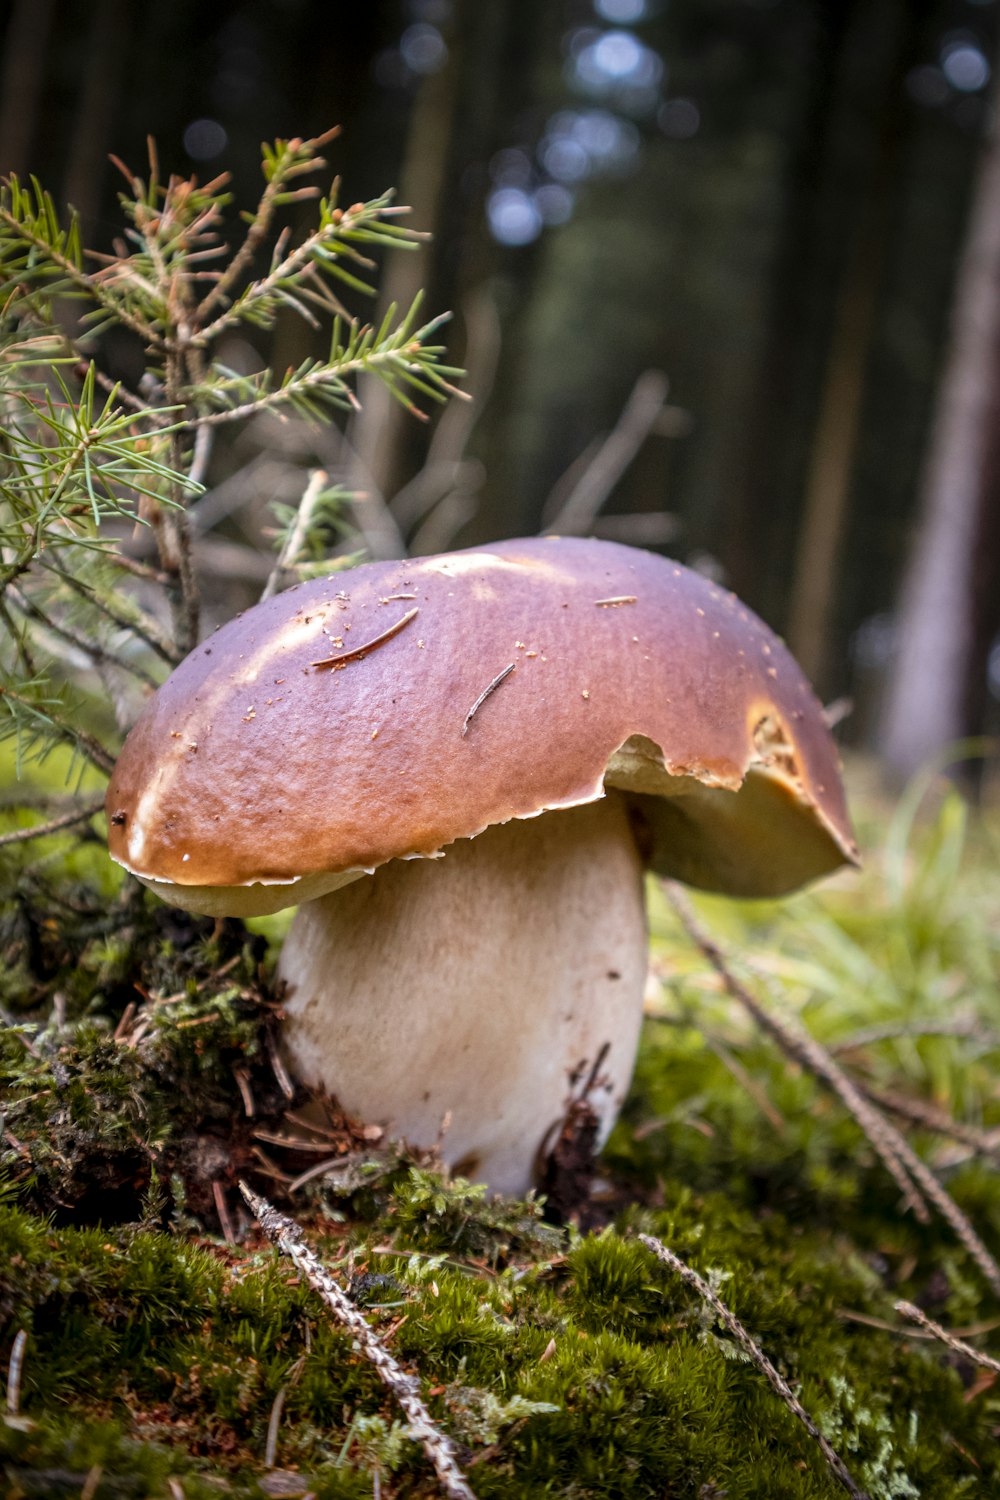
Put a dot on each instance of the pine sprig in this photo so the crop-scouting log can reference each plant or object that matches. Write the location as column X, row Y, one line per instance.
column 84, row 462
column 397, row 352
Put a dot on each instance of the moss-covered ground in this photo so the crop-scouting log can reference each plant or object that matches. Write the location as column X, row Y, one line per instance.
column 171, row 1353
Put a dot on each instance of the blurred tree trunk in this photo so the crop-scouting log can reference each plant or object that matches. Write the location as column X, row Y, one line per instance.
column 25, row 49
column 826, row 298
column 826, row 506
column 100, row 90
column 928, row 694
column 378, row 432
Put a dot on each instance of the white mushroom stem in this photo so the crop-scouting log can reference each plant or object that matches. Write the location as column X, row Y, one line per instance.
column 478, row 987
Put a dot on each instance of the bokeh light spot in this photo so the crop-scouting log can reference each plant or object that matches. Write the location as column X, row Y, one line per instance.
column 554, row 203
column 423, row 48
column 514, row 217
column 965, row 66
column 679, row 119
column 204, row 139
column 621, row 12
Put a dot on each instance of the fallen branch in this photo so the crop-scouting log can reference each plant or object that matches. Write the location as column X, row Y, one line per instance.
column 758, row 1357
column 439, row 1448
column 930, row 1117
column 956, row 1345
column 914, row 1177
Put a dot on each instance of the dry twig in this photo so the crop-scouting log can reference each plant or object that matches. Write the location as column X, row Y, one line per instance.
column 437, row 1445
column 914, row 1177
column 796, row 1043
column 297, row 532
column 964, row 1027
column 956, row 1345
column 757, row 1355
column 930, row 1117
column 55, row 825
column 575, row 514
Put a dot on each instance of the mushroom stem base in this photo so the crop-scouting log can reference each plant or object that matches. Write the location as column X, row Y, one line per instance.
column 472, row 995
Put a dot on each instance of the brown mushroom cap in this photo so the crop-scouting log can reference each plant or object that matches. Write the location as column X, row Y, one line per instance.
column 343, row 724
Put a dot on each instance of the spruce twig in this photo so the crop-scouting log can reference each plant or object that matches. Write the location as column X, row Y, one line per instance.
column 913, row 1175
column 89, row 645
column 779, row 1385
column 956, row 1345
column 59, row 728
column 285, row 1234
column 55, row 825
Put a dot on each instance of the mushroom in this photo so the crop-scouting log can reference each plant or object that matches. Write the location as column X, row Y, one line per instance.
column 458, row 767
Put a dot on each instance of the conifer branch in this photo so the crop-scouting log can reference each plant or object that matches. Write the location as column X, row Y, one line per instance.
column 916, row 1179
column 956, row 1345
column 440, row 1449
column 81, row 450
column 322, row 249
column 297, row 532
column 400, row 356
column 297, row 157
column 55, row 825
column 756, row 1354
column 87, row 644
column 125, row 613
column 40, row 231
column 40, row 715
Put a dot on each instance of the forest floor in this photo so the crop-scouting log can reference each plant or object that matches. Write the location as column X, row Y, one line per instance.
column 156, row 1345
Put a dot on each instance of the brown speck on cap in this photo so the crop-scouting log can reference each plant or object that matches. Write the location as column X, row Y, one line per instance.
column 675, row 727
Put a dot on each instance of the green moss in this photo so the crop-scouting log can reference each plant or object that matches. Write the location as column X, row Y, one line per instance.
column 186, row 1346
column 564, row 1364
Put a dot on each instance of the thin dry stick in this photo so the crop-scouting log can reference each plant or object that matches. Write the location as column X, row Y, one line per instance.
column 913, row 1175
column 436, row 1444
column 952, row 1214
column 40, row 830
column 757, row 1355
column 490, row 688
column 576, row 514
column 808, row 1053
column 895, row 1030
column 958, row 1346
column 296, row 535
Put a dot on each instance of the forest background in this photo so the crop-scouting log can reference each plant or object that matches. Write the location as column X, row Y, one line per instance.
column 750, row 239
column 725, row 280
